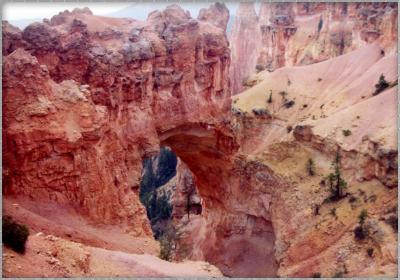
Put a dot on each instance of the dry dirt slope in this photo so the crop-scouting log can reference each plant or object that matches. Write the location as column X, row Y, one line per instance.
column 329, row 97
column 63, row 244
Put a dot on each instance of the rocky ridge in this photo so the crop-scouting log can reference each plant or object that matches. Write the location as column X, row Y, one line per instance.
column 287, row 34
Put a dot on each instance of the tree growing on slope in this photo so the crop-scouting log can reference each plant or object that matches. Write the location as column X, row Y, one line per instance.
column 381, row 85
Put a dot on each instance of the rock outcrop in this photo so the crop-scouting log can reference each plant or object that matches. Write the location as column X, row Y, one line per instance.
column 88, row 97
column 283, row 34
column 87, row 93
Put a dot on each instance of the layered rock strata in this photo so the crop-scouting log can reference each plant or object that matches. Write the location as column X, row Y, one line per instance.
column 86, row 98
column 287, row 34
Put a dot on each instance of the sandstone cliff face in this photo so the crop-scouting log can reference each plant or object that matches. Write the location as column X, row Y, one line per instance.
column 285, row 34
column 87, row 97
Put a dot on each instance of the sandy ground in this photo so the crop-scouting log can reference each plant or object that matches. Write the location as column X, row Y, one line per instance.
column 63, row 244
column 67, row 223
column 331, row 96
column 50, row 256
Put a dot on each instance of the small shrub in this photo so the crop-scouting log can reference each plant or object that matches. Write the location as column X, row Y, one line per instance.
column 352, row 199
column 333, row 212
column 310, row 167
column 370, row 252
column 381, row 85
column 168, row 241
column 346, row 132
column 283, row 94
column 372, row 198
column 336, row 183
column 14, row 235
column 316, row 209
column 236, row 111
column 319, row 79
column 260, row 68
column 320, row 24
column 289, row 128
column 363, row 216
column 313, row 117
column 305, row 105
column 322, row 106
column 288, row 104
column 260, row 112
column 393, row 222
column 360, row 233
column 316, row 275
column 338, row 274
column 270, row 97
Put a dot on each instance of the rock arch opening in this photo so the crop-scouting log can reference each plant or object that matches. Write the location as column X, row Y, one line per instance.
column 168, row 192
column 234, row 230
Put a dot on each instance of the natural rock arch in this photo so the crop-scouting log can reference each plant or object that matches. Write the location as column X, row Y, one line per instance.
column 86, row 98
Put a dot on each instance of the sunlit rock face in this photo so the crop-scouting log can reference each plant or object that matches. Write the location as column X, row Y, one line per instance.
column 282, row 34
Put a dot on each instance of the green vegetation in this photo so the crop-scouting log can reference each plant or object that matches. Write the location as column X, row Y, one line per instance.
column 236, row 111
column 393, row 222
column 370, row 252
column 260, row 68
column 333, row 212
column 316, row 275
column 310, row 167
column 316, row 209
column 14, row 235
column 338, row 274
column 283, row 94
column 381, row 85
column 166, row 169
column 270, row 97
column 288, row 104
column 363, row 216
column 320, row 24
column 336, row 183
column 352, row 199
column 168, row 241
column 260, row 112
column 346, row 132
column 157, row 171
column 360, row 232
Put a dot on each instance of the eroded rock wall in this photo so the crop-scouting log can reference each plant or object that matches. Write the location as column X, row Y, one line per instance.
column 86, row 97
column 285, row 34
